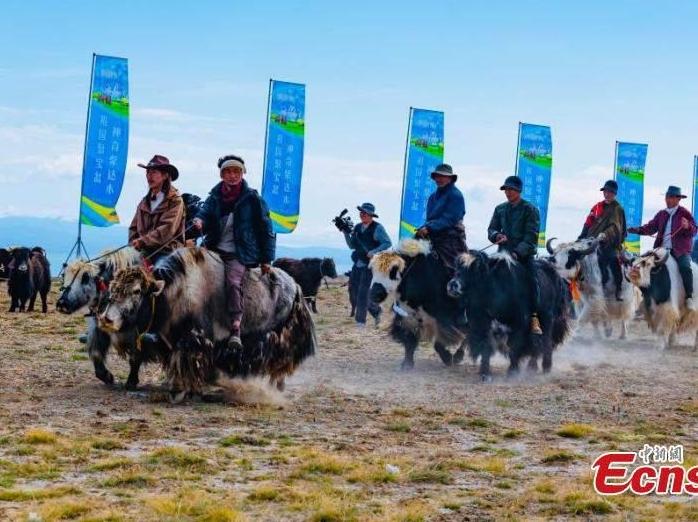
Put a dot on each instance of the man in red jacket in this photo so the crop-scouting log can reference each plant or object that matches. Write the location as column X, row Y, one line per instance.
column 675, row 228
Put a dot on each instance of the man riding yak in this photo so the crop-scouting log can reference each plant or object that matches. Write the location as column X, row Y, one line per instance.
column 444, row 223
column 675, row 228
column 606, row 222
column 514, row 227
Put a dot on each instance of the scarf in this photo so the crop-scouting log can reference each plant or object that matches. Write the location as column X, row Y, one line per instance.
column 230, row 193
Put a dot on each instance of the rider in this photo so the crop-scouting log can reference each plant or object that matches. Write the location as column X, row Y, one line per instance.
column 675, row 228
column 514, row 227
column 158, row 225
column 237, row 225
column 445, row 211
column 366, row 240
column 606, row 222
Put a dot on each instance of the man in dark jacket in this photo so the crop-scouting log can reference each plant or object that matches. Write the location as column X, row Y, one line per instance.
column 237, row 225
column 366, row 239
column 675, row 228
column 445, row 211
column 606, row 222
column 514, row 227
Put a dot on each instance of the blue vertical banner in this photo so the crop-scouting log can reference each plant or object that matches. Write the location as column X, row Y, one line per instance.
column 629, row 172
column 283, row 157
column 424, row 152
column 106, row 142
column 695, row 187
column 534, row 165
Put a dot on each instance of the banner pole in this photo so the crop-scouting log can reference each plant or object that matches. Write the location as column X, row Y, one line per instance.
column 695, row 175
column 266, row 135
column 518, row 146
column 615, row 162
column 404, row 171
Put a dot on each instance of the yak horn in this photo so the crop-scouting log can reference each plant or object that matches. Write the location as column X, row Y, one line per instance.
column 549, row 246
column 663, row 260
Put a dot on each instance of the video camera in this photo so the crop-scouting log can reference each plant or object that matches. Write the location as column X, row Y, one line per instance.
column 343, row 222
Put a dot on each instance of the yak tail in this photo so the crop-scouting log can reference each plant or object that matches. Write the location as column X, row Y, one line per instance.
column 562, row 323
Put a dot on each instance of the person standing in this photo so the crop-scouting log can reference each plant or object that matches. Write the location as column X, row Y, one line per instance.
column 236, row 223
column 158, row 225
column 514, row 227
column 675, row 228
column 366, row 239
column 606, row 222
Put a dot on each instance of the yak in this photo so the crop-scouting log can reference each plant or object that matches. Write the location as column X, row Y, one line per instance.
column 29, row 276
column 308, row 273
column 577, row 262
column 415, row 280
column 494, row 294
column 183, row 303
column 84, row 289
column 657, row 275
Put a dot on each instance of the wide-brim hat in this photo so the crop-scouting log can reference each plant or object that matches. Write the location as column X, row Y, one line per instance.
column 444, row 170
column 512, row 182
column 611, row 186
column 674, row 192
column 369, row 208
column 161, row 163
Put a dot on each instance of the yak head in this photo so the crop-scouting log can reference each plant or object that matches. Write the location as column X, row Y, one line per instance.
column 389, row 267
column 386, row 269
column 130, row 290
column 19, row 260
column 472, row 269
column 328, row 268
column 5, row 257
column 79, row 288
column 644, row 266
column 567, row 257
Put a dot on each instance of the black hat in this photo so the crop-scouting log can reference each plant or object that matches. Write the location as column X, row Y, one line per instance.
column 444, row 170
column 674, row 192
column 369, row 208
column 512, row 182
column 611, row 186
column 159, row 162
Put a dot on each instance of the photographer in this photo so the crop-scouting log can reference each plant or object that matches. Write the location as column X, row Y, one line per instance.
column 366, row 239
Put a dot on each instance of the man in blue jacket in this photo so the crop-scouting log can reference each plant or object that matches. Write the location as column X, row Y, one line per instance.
column 237, row 225
column 445, row 211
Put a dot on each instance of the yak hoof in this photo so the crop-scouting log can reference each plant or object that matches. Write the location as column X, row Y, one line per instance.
column 406, row 366
column 486, row 379
column 107, row 378
column 458, row 356
column 131, row 385
column 446, row 357
column 177, row 397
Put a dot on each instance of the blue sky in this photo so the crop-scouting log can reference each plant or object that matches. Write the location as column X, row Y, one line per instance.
column 199, row 71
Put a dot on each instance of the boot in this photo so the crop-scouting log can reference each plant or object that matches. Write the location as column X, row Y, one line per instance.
column 618, row 293
column 234, row 341
column 535, row 325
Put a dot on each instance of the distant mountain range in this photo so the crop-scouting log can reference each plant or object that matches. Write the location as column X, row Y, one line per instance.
column 57, row 237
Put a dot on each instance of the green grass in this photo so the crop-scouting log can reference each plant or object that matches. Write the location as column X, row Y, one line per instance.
column 243, row 440
column 398, row 427
column 575, row 430
column 23, row 495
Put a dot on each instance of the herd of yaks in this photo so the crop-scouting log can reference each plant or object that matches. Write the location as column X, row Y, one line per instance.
column 193, row 353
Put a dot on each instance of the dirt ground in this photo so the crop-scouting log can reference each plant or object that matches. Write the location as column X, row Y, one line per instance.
column 356, row 440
